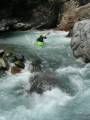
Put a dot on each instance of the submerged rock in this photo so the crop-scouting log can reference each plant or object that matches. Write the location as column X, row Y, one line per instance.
column 44, row 81
column 80, row 42
column 15, row 70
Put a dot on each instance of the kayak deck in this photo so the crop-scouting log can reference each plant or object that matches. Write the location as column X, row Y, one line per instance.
column 41, row 44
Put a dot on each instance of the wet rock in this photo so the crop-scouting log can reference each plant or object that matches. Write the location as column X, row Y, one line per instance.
column 31, row 14
column 35, row 66
column 15, row 70
column 18, row 63
column 42, row 82
column 21, row 26
column 80, row 42
column 70, row 33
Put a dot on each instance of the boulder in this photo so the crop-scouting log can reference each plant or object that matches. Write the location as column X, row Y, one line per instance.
column 72, row 15
column 15, row 70
column 80, row 42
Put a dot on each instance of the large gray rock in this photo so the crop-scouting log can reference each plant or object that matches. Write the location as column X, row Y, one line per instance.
column 80, row 42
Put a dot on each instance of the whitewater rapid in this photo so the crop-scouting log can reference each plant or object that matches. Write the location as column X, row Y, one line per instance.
column 70, row 102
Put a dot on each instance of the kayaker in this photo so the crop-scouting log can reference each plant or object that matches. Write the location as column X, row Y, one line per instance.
column 41, row 38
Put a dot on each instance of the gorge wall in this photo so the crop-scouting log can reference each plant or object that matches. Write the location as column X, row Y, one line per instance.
column 27, row 14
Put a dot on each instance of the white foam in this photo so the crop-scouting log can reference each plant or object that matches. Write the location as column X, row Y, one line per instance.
column 42, row 105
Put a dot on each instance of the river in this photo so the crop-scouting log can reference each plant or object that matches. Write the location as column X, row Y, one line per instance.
column 57, row 104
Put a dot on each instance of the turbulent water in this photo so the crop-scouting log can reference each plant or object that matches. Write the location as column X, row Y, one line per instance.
column 70, row 102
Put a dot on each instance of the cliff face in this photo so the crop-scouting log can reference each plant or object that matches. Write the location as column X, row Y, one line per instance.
column 26, row 14
column 74, row 14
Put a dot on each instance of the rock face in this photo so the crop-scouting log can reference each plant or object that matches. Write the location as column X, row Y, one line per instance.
column 80, row 42
column 37, row 14
column 73, row 15
column 26, row 14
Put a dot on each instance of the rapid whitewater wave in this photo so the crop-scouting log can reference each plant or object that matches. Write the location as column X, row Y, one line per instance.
column 71, row 101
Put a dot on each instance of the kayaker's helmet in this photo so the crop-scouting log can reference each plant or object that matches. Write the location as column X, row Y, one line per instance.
column 44, row 35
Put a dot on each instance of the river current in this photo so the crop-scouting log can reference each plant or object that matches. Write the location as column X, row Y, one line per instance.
column 70, row 102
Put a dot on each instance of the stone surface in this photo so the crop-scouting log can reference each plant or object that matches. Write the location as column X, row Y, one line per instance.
column 73, row 15
column 27, row 14
column 43, row 81
column 31, row 14
column 80, row 42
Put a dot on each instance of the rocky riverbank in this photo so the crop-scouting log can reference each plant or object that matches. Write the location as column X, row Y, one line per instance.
column 28, row 14
column 73, row 14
